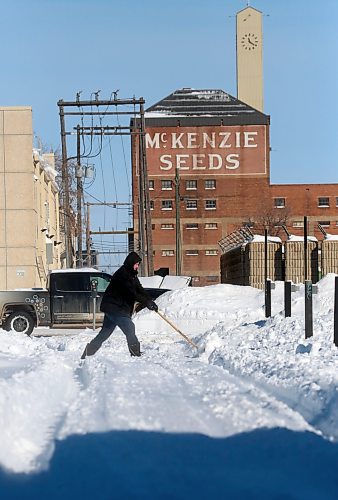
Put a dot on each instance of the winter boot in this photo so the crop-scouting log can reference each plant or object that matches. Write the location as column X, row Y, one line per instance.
column 89, row 351
column 134, row 349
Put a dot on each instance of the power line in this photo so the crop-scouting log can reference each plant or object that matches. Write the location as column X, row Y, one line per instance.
column 100, row 109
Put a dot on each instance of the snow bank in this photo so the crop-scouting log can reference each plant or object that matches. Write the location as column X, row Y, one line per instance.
column 249, row 373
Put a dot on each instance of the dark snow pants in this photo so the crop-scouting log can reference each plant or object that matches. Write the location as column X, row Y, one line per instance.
column 110, row 322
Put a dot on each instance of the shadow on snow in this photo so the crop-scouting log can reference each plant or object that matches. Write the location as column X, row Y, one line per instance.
column 263, row 464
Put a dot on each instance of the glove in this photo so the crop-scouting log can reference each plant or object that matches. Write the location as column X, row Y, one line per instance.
column 152, row 305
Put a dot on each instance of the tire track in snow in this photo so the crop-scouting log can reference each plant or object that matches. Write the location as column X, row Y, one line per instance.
column 235, row 401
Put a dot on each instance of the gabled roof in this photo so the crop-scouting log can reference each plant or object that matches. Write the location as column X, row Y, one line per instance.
column 249, row 8
column 203, row 106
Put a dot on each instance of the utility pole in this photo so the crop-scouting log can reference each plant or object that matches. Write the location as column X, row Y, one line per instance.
column 178, row 222
column 106, row 108
column 88, row 248
column 79, row 199
column 141, row 210
column 65, row 186
column 148, row 227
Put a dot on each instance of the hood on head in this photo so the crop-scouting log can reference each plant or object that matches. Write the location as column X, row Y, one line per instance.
column 130, row 260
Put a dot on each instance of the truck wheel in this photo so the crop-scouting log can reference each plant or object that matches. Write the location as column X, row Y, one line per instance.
column 20, row 322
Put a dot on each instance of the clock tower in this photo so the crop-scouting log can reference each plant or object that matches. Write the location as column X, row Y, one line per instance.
column 249, row 51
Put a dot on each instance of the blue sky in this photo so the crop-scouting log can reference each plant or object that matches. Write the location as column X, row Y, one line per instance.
column 53, row 48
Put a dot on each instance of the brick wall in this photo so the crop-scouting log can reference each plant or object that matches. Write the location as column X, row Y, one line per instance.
column 239, row 199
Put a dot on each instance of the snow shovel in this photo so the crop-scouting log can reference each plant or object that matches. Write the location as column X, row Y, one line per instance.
column 175, row 328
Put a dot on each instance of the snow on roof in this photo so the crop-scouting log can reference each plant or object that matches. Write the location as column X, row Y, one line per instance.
column 331, row 237
column 168, row 282
column 76, row 270
column 259, row 239
column 293, row 237
column 187, row 103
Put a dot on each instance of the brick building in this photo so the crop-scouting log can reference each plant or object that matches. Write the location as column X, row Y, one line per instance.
column 209, row 173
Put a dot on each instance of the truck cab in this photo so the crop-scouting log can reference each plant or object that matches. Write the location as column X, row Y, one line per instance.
column 67, row 302
column 71, row 296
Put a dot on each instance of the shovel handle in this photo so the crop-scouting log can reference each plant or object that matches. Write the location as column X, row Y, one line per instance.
column 175, row 328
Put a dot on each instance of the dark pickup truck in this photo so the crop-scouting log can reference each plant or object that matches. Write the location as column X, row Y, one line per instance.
column 67, row 302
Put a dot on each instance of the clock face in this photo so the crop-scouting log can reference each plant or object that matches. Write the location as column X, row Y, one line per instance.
column 249, row 41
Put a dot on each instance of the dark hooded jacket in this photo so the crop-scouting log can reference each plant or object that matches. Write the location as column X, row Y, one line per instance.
column 124, row 289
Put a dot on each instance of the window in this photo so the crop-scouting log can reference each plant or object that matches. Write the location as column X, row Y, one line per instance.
column 324, row 223
column 166, row 185
column 167, row 205
column 191, row 226
column 191, row 252
column 151, row 204
column 167, row 226
column 190, row 185
column 210, row 225
column 324, row 201
column 102, row 282
column 210, row 204
column 49, row 252
column 151, row 184
column 211, row 252
column 336, row 201
column 298, row 223
column 191, row 204
column 46, row 213
column 210, row 184
column 167, row 253
column 279, row 202
column 72, row 282
column 212, row 279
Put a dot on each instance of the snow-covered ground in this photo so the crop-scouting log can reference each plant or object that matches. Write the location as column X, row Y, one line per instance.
column 251, row 414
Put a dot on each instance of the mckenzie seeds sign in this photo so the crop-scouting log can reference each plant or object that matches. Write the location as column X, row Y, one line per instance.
column 221, row 150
